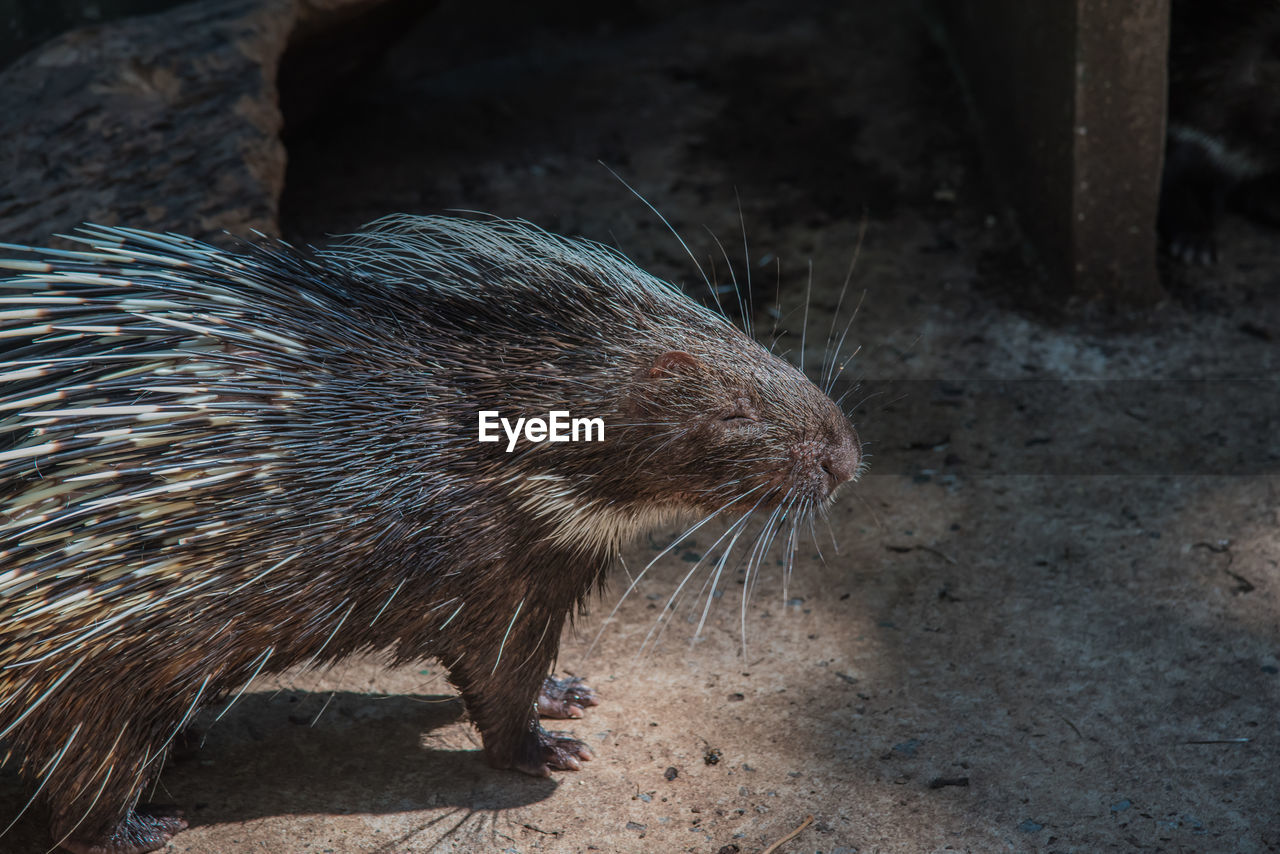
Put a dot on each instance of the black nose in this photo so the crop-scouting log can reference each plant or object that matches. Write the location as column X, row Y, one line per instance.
column 842, row 458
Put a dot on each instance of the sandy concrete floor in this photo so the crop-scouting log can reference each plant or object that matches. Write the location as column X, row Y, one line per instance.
column 1051, row 623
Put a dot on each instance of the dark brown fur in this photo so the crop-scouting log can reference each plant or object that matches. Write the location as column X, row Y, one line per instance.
column 1223, row 146
column 336, row 458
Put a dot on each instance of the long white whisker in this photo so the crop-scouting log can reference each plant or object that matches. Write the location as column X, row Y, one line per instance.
column 775, row 519
column 640, row 575
column 715, row 577
column 754, row 561
column 835, row 315
column 777, row 304
column 670, row 228
column 804, row 329
column 835, row 545
column 733, row 279
column 746, row 254
column 802, row 512
column 663, row 614
column 813, row 534
column 837, row 369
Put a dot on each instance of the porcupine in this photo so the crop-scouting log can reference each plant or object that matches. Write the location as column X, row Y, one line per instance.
column 217, row 464
column 1223, row 147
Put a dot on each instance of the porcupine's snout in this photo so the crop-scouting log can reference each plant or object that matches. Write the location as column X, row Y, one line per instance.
column 822, row 463
column 841, row 459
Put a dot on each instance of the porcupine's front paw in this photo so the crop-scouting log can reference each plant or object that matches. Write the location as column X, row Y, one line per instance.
column 144, row 829
column 1193, row 194
column 1187, row 227
column 548, row 751
column 565, row 698
column 1193, row 246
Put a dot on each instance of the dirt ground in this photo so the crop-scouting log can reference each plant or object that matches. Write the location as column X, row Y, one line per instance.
column 1052, row 619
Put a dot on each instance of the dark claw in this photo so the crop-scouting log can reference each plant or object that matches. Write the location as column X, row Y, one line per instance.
column 147, row 828
column 565, row 698
column 1198, row 249
column 564, row 752
column 560, row 751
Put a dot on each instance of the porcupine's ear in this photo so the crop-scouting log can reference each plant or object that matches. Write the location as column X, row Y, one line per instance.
column 650, row 394
column 673, row 363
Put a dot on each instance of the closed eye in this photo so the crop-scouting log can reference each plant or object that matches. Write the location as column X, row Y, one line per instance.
column 742, row 413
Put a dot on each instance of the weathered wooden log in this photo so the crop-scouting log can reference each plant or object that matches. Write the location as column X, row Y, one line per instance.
column 167, row 121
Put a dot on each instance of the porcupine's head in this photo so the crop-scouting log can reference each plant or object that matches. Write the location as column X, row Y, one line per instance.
column 698, row 417
column 723, row 424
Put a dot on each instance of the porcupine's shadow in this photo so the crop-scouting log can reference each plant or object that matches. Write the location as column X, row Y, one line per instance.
column 364, row 754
